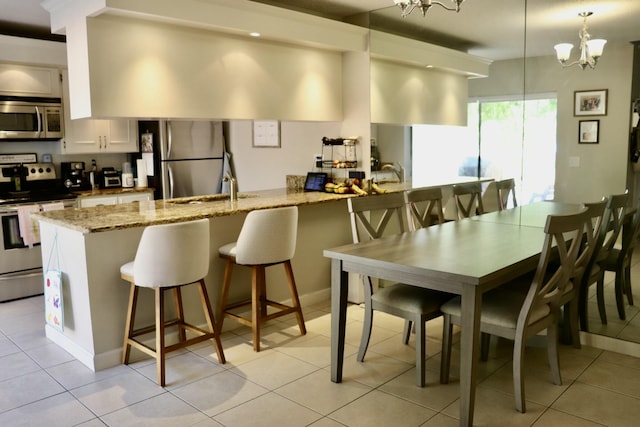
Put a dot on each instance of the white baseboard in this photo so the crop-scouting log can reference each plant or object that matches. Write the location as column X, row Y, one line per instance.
column 610, row 344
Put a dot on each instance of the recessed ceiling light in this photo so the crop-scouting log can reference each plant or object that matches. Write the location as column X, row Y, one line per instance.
column 254, row 34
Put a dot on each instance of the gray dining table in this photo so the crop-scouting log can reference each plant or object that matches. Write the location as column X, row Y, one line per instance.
column 466, row 258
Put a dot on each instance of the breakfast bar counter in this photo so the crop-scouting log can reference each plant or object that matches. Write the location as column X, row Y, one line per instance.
column 129, row 215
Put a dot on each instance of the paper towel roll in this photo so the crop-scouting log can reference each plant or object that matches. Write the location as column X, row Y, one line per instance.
column 142, row 172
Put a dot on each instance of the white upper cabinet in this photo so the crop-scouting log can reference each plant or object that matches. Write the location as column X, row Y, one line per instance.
column 96, row 136
column 23, row 80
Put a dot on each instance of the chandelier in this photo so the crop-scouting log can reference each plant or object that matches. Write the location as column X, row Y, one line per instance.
column 590, row 50
column 407, row 6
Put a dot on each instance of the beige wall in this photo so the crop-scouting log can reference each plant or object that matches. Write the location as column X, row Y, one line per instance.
column 180, row 72
column 259, row 168
column 601, row 169
column 403, row 94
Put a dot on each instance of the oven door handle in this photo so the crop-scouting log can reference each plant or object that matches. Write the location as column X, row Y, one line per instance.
column 21, row 275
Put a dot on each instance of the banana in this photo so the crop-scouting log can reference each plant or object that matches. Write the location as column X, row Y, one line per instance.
column 359, row 191
column 377, row 188
column 330, row 187
column 342, row 189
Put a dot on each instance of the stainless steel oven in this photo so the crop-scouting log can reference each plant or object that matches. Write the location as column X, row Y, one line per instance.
column 21, row 264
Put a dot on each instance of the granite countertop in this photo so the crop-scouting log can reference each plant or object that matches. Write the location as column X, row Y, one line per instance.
column 112, row 190
column 139, row 214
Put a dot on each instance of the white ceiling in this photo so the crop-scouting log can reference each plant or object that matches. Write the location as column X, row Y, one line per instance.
column 490, row 28
column 24, row 12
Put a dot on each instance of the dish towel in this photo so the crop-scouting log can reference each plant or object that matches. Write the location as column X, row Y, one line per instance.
column 28, row 228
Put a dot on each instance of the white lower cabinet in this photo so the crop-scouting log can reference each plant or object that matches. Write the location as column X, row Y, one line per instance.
column 91, row 201
column 114, row 199
column 135, row 197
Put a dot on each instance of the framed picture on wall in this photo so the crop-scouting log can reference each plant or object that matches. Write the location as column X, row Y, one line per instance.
column 590, row 103
column 589, row 132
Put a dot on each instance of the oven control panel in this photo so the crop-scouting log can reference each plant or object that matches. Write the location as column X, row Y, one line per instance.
column 40, row 171
column 31, row 172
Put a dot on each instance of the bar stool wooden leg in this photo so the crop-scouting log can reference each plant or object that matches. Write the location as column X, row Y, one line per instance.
column 129, row 323
column 226, row 282
column 208, row 313
column 257, row 282
column 177, row 298
column 160, row 349
column 294, row 297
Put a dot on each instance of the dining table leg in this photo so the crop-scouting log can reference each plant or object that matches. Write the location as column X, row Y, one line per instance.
column 469, row 351
column 339, row 291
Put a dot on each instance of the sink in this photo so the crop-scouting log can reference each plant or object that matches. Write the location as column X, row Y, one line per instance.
column 195, row 200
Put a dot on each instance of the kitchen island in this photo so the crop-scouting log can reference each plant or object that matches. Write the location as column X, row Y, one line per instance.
column 88, row 246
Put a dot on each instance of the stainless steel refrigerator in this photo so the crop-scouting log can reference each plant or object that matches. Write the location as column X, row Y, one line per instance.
column 191, row 157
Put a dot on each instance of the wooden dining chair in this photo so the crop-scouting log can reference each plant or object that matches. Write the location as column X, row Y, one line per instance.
column 569, row 300
column 506, row 189
column 519, row 316
column 499, row 195
column 468, row 199
column 619, row 261
column 424, row 207
column 607, row 237
column 371, row 218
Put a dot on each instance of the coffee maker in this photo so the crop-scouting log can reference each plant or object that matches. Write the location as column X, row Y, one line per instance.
column 73, row 175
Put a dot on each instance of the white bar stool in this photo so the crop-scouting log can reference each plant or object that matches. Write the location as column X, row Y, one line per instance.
column 268, row 237
column 169, row 256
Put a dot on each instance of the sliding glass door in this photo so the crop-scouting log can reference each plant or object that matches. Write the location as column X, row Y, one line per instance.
column 503, row 139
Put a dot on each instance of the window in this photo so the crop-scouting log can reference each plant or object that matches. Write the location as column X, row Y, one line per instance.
column 495, row 144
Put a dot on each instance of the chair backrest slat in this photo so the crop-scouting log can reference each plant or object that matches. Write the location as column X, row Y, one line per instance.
column 468, row 198
column 613, row 226
column 506, row 188
column 365, row 211
column 563, row 239
column 424, row 207
column 597, row 213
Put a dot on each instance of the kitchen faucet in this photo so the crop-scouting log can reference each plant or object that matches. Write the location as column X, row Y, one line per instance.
column 399, row 171
column 233, row 186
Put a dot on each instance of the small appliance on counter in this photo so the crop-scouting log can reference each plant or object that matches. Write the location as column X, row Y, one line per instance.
column 110, row 178
column 127, row 175
column 73, row 176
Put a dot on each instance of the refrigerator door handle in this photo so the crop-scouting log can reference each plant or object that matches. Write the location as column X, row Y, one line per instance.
column 169, row 140
column 170, row 173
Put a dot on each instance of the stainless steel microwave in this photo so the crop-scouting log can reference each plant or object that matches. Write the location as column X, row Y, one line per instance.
column 30, row 118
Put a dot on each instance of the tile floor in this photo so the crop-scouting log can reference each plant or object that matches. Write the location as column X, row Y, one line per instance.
column 287, row 384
